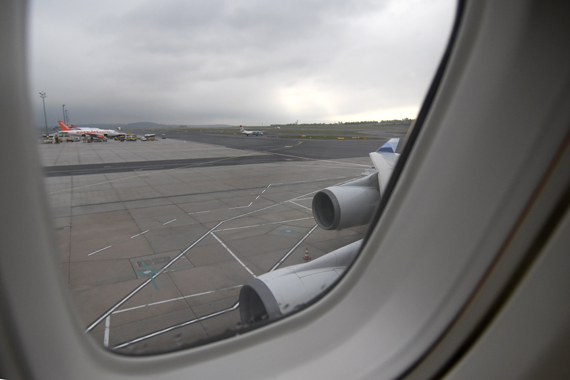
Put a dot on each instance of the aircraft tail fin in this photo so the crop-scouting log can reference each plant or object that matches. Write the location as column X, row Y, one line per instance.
column 63, row 126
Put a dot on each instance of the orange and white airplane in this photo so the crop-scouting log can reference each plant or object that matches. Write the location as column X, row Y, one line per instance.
column 93, row 132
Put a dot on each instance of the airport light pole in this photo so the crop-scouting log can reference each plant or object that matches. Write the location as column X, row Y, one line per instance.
column 63, row 111
column 66, row 117
column 43, row 96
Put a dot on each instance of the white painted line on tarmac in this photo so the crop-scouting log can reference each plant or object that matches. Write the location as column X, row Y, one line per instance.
column 202, row 212
column 318, row 160
column 160, row 332
column 135, row 307
column 292, row 249
column 265, row 224
column 164, row 224
column 257, row 197
column 233, row 254
column 142, row 233
column 113, row 309
column 175, row 299
column 102, row 249
column 250, row 203
column 300, row 205
column 291, row 220
column 239, row 228
column 149, row 280
column 106, row 337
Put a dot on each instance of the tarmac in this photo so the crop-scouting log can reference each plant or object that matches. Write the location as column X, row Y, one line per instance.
column 154, row 259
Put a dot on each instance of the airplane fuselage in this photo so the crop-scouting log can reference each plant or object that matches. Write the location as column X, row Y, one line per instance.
column 86, row 131
column 94, row 132
column 249, row 133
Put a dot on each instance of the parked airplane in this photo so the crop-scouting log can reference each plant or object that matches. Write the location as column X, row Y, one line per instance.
column 248, row 133
column 93, row 132
column 280, row 292
column 464, row 273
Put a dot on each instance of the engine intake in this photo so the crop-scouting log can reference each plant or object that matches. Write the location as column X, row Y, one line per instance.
column 285, row 290
column 349, row 205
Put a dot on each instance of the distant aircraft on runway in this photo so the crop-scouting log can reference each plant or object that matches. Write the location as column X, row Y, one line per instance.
column 247, row 133
column 281, row 291
column 93, row 132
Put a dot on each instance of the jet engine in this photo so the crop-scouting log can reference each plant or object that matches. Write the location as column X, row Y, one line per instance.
column 349, row 205
column 285, row 290
column 353, row 204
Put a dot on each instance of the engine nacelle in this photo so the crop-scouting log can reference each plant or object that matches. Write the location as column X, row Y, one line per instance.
column 285, row 290
column 349, row 205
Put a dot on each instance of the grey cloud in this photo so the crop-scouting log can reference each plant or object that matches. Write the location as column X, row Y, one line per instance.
column 177, row 61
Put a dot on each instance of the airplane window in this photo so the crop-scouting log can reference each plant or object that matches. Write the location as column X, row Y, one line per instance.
column 211, row 166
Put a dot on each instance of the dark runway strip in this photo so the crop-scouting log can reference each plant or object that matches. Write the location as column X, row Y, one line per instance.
column 276, row 149
column 309, row 148
column 121, row 167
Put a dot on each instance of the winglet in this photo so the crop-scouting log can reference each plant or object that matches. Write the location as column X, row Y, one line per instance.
column 390, row 146
column 384, row 160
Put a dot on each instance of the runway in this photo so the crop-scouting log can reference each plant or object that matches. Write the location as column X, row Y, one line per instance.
column 247, row 150
column 67, row 170
column 308, row 148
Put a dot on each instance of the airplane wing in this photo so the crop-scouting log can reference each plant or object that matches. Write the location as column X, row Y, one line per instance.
column 280, row 292
column 284, row 290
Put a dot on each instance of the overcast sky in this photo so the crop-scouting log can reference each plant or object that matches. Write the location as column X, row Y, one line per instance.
column 234, row 62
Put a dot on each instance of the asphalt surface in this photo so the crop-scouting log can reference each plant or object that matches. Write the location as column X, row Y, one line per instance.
column 320, row 149
column 121, row 167
column 224, row 216
column 272, row 149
